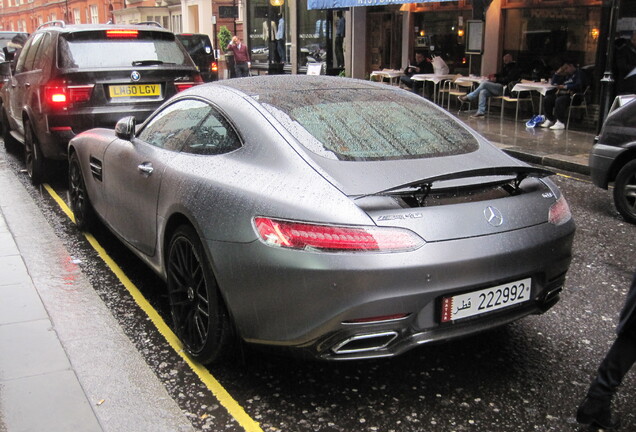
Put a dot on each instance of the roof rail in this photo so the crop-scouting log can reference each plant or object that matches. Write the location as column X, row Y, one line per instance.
column 56, row 23
column 151, row 23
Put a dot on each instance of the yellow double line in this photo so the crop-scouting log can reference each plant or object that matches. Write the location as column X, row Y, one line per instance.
column 224, row 398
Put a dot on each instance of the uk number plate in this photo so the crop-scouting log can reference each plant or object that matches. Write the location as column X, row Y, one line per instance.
column 134, row 90
column 486, row 300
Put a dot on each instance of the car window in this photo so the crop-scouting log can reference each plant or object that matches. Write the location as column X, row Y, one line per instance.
column 213, row 136
column 43, row 54
column 196, row 44
column 95, row 49
column 365, row 125
column 171, row 127
column 27, row 56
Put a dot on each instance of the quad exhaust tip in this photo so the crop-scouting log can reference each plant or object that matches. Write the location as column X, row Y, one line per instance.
column 365, row 342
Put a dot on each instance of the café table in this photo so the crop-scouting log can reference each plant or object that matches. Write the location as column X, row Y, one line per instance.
column 541, row 87
column 390, row 74
column 435, row 79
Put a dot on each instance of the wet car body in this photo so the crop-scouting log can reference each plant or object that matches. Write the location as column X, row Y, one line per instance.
column 321, row 246
column 613, row 157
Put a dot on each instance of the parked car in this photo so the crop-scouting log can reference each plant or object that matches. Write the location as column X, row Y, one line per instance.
column 200, row 49
column 613, row 157
column 70, row 78
column 337, row 218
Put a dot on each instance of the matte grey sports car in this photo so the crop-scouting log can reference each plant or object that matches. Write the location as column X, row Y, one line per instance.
column 339, row 218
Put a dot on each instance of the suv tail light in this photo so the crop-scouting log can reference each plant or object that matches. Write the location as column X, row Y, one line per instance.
column 332, row 238
column 214, row 67
column 181, row 86
column 60, row 95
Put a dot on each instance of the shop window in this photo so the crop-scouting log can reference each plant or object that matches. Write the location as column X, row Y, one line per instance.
column 541, row 39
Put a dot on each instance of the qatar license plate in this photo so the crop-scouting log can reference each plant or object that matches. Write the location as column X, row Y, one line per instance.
column 134, row 90
column 486, row 300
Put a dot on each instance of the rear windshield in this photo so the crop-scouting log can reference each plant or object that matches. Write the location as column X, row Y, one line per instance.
column 95, row 49
column 368, row 124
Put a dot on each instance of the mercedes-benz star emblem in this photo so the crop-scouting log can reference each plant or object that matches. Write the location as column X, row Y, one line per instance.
column 493, row 216
column 135, row 76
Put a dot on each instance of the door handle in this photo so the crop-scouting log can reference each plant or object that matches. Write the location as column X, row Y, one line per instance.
column 146, row 168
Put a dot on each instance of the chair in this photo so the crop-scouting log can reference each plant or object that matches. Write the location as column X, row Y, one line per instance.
column 515, row 98
column 459, row 89
column 574, row 98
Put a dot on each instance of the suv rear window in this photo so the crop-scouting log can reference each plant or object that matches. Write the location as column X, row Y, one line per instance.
column 95, row 49
column 366, row 125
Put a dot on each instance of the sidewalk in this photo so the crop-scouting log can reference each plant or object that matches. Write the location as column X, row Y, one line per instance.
column 66, row 365
column 561, row 149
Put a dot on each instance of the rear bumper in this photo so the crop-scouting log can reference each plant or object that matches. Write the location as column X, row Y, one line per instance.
column 59, row 129
column 305, row 301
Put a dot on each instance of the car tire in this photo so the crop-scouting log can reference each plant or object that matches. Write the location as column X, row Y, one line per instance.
column 625, row 192
column 199, row 316
column 10, row 143
column 83, row 211
column 33, row 157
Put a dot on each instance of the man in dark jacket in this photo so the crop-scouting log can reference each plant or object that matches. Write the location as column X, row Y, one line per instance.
column 595, row 409
column 495, row 86
column 422, row 65
column 568, row 80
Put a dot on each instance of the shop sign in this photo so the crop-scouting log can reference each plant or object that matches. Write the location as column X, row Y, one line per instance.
column 338, row 4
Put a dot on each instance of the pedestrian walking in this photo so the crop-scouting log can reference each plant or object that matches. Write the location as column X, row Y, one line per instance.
column 595, row 410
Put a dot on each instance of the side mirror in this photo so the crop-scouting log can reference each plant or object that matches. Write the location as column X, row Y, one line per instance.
column 125, row 128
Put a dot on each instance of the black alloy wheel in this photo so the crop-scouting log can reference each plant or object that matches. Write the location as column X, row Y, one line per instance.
column 625, row 192
column 78, row 197
column 33, row 158
column 10, row 143
column 199, row 316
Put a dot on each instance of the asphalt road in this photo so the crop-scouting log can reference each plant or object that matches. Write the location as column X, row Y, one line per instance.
column 527, row 376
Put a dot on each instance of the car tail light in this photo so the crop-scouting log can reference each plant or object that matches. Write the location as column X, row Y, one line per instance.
column 181, row 86
column 60, row 95
column 300, row 235
column 122, row 34
column 559, row 212
column 214, row 67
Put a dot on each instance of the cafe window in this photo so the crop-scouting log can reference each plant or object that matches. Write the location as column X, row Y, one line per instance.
column 541, row 39
column 443, row 33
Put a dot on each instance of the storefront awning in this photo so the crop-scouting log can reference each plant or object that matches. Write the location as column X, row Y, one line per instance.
column 338, row 4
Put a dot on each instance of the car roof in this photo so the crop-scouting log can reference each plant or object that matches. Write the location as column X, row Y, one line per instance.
column 63, row 27
column 282, row 84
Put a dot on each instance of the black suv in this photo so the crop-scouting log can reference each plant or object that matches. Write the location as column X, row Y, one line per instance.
column 200, row 49
column 613, row 157
column 70, row 78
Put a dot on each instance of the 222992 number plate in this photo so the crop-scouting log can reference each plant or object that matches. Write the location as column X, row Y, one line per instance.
column 485, row 300
column 134, row 90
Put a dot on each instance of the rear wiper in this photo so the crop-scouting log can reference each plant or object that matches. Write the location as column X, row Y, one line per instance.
column 421, row 188
column 147, row 62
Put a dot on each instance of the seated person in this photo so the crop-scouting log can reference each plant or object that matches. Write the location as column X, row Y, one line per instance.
column 495, row 87
column 422, row 65
column 568, row 79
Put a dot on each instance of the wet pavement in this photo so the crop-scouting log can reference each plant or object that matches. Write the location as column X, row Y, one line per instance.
column 65, row 364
